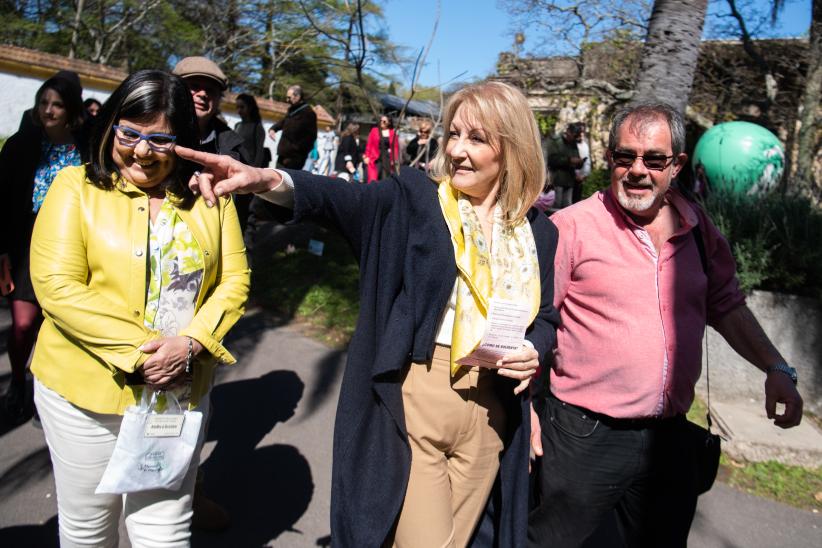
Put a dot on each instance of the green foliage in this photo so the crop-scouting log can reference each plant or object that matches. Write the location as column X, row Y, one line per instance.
column 263, row 46
column 794, row 485
column 698, row 412
column 774, row 238
column 547, row 123
column 596, row 181
column 320, row 290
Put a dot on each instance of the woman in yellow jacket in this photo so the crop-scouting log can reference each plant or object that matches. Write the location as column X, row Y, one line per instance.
column 139, row 282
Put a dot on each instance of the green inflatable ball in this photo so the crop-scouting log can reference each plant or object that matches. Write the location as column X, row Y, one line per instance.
column 741, row 157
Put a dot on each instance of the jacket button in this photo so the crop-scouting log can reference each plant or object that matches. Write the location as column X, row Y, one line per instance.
column 139, row 253
column 136, row 313
column 141, row 209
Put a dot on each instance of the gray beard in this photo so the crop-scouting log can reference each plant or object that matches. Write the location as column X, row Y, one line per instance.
column 636, row 205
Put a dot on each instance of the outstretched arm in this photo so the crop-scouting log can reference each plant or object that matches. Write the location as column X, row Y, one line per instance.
column 222, row 175
column 742, row 331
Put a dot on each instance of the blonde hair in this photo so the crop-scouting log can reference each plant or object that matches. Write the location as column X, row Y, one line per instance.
column 502, row 112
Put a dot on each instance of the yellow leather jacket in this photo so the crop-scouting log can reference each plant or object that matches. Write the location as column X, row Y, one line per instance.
column 88, row 268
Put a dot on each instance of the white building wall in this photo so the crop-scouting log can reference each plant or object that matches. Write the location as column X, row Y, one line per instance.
column 17, row 96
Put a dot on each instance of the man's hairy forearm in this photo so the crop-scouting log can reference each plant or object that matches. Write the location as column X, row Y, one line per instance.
column 742, row 331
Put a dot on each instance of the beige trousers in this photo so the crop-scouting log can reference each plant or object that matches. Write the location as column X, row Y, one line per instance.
column 456, row 428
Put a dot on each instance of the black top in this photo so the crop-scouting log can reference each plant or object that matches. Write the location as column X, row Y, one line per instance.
column 413, row 150
column 299, row 129
column 226, row 142
column 407, row 271
column 18, row 163
column 253, row 135
column 347, row 151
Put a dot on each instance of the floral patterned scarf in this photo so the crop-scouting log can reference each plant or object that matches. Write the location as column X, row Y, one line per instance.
column 509, row 270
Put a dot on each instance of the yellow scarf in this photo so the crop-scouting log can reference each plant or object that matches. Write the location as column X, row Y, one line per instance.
column 510, row 271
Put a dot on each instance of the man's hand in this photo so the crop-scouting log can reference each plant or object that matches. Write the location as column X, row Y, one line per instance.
column 167, row 362
column 576, row 161
column 779, row 388
column 6, row 282
column 521, row 365
column 223, row 175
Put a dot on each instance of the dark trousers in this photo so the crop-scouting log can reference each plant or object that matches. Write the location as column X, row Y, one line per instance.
column 595, row 467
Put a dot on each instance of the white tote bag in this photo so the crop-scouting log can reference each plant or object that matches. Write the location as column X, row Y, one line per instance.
column 153, row 450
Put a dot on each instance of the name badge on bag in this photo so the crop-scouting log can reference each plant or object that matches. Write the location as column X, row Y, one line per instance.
column 164, row 426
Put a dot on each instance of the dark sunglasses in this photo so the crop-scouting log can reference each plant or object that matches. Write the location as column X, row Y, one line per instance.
column 158, row 142
column 656, row 162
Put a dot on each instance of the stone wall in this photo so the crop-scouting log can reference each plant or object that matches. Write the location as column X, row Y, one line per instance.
column 727, row 86
column 794, row 324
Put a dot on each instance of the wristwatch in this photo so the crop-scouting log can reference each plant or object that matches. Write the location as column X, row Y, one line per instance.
column 783, row 367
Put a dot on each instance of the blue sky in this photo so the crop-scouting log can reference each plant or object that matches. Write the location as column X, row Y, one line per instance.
column 472, row 33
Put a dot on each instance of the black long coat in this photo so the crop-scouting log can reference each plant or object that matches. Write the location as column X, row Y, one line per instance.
column 299, row 127
column 407, row 272
column 18, row 162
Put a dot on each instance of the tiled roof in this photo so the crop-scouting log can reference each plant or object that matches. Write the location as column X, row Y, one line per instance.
column 93, row 75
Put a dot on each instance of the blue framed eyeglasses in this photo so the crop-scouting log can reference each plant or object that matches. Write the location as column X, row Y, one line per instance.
column 158, row 142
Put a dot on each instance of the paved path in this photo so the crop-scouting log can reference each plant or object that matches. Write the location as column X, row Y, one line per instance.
column 269, row 459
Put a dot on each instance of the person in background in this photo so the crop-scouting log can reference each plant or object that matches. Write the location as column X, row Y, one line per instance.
column 326, row 151
column 423, row 148
column 140, row 282
column 585, row 154
column 92, row 107
column 207, row 82
column 348, row 158
column 299, row 131
column 382, row 151
column 563, row 159
column 250, row 128
column 27, row 120
column 421, row 439
column 29, row 162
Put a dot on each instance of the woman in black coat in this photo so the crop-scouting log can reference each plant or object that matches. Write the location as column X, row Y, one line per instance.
column 422, row 149
column 348, row 158
column 432, row 437
column 29, row 161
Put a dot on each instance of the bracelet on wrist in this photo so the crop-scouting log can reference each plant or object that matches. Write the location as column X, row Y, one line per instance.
column 190, row 355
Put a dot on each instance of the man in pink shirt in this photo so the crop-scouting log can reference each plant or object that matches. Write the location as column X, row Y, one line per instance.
column 635, row 291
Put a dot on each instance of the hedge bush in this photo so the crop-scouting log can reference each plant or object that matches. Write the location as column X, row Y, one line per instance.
column 775, row 240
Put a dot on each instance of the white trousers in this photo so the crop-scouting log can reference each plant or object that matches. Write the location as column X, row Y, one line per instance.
column 80, row 443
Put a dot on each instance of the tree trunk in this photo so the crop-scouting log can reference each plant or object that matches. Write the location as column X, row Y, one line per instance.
column 671, row 49
column 809, row 119
column 75, row 30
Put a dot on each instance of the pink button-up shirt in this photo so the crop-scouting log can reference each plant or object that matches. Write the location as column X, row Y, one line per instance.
column 632, row 321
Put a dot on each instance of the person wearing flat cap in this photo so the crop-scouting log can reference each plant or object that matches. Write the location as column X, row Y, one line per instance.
column 207, row 84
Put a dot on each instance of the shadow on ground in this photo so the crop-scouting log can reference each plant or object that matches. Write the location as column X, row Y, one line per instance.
column 266, row 489
column 31, row 536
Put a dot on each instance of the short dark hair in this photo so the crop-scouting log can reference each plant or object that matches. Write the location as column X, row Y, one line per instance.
column 251, row 104
column 71, row 94
column 143, row 95
column 646, row 112
column 92, row 101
